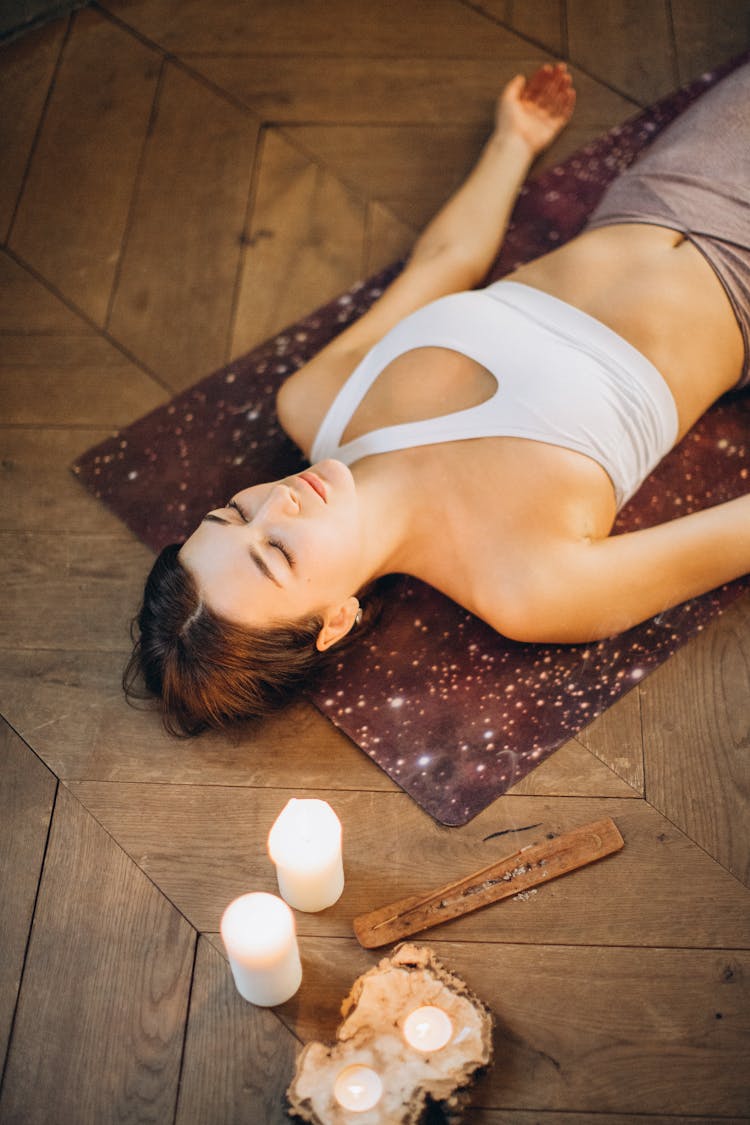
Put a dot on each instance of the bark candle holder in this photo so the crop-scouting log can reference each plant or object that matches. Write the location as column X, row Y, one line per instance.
column 373, row 1065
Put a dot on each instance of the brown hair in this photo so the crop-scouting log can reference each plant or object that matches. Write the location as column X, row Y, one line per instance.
column 206, row 670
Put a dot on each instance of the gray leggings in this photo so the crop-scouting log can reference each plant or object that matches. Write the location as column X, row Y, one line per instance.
column 695, row 178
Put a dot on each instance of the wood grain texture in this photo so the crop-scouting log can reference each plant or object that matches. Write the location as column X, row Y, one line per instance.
column 98, row 736
column 411, row 169
column 27, row 794
column 314, row 27
column 706, row 34
column 540, row 21
column 86, row 392
column 616, row 738
column 580, row 1030
column 477, row 1116
column 373, row 160
column 696, row 723
column 27, row 306
column 572, row 771
column 36, row 489
column 645, row 69
column 393, row 851
column 305, row 244
column 70, row 591
column 534, row 865
column 74, row 210
column 41, row 688
column 173, row 301
column 388, row 239
column 108, row 970
column 296, row 89
column 239, row 1059
column 26, row 69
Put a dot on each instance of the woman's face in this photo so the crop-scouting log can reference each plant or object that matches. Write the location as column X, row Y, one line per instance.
column 280, row 551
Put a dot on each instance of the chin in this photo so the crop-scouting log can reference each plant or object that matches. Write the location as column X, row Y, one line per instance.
column 335, row 472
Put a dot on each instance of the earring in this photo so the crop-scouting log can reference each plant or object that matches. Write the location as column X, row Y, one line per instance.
column 358, row 617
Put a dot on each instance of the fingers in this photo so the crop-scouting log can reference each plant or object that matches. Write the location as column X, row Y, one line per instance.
column 551, row 88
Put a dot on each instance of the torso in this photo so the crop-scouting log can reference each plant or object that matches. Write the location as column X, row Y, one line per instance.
column 654, row 288
column 500, row 501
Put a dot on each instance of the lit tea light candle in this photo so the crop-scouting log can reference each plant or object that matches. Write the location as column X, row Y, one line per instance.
column 259, row 937
column 427, row 1029
column 358, row 1088
column 305, row 845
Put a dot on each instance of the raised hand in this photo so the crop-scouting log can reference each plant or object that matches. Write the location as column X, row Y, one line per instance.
column 538, row 108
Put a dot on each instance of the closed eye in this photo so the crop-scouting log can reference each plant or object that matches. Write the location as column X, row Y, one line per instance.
column 284, row 551
column 275, row 543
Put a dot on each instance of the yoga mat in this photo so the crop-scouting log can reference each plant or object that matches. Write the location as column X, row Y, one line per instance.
column 452, row 711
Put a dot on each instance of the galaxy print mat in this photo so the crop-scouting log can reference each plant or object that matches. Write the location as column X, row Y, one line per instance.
column 454, row 713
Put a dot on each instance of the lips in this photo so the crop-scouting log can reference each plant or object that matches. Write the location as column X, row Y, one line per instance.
column 315, row 483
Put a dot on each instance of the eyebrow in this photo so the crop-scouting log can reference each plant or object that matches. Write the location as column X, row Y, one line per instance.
column 258, row 559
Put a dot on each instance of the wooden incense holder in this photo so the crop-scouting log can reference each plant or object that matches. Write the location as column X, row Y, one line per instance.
column 535, row 864
column 415, row 1083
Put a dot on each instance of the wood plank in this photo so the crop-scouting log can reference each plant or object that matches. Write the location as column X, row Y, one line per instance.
column 70, row 591
column 541, row 21
column 37, row 492
column 71, row 707
column 305, row 244
column 572, row 771
column 317, row 27
column 42, row 688
column 388, row 239
column 99, row 1029
column 580, row 1030
column 616, row 738
column 87, row 393
column 695, row 710
column 412, row 169
column 74, row 209
column 547, row 858
column 706, row 34
column 173, row 302
column 476, row 1116
column 238, row 1058
column 26, row 306
column 627, row 45
column 27, row 794
column 294, row 89
column 26, row 69
column 204, row 845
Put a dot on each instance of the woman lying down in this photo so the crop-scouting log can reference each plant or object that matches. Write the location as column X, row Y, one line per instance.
column 484, row 440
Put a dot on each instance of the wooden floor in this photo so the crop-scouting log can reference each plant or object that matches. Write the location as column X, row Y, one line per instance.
column 178, row 181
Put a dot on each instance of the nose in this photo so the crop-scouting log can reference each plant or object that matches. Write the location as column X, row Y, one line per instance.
column 281, row 501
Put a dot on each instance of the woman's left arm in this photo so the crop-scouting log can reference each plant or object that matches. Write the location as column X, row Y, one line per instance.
column 458, row 246
column 593, row 589
column 470, row 227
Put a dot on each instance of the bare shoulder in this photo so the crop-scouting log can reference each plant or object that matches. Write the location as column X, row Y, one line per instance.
column 304, row 399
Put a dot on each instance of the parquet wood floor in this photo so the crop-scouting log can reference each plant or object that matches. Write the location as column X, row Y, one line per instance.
column 179, row 180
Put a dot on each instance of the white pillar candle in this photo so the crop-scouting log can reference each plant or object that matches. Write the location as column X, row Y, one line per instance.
column 259, row 937
column 428, row 1029
column 358, row 1088
column 305, row 845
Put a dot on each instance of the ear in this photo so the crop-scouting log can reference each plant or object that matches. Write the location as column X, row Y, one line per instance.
column 337, row 622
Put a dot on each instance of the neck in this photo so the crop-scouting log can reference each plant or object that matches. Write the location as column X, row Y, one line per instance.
column 394, row 518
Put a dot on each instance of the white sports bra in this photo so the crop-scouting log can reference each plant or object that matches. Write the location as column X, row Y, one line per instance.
column 562, row 377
